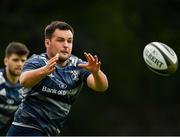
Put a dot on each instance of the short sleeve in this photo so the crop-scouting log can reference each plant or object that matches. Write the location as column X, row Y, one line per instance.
column 84, row 73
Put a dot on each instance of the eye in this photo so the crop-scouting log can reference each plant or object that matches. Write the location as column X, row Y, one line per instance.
column 15, row 60
column 23, row 60
column 60, row 40
column 69, row 40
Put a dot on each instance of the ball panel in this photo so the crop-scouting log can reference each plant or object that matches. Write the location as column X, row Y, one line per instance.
column 166, row 50
column 160, row 72
column 154, row 58
column 169, row 56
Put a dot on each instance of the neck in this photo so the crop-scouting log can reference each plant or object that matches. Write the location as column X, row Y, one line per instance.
column 11, row 78
column 62, row 64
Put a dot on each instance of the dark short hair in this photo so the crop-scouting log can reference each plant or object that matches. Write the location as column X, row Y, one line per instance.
column 49, row 30
column 16, row 48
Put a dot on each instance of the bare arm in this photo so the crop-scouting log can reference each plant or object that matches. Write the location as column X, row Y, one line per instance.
column 97, row 80
column 30, row 78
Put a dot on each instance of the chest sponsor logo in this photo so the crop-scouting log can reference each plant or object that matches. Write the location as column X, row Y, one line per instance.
column 61, row 84
column 59, row 92
column 10, row 101
column 9, row 107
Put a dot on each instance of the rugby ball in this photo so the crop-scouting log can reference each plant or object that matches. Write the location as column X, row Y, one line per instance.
column 160, row 58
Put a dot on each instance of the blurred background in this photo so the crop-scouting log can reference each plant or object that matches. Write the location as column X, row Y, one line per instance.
column 138, row 102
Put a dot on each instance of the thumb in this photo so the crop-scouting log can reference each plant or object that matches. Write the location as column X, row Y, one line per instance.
column 57, row 55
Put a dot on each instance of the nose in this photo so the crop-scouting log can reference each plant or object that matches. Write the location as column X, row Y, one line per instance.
column 66, row 44
column 20, row 63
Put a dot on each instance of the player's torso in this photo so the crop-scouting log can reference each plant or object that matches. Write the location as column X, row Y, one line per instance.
column 9, row 98
column 48, row 103
column 62, row 85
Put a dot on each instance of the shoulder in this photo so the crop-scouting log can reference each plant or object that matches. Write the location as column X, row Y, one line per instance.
column 2, row 78
column 37, row 59
column 2, row 70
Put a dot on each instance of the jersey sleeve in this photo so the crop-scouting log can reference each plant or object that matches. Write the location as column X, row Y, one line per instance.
column 84, row 73
column 33, row 62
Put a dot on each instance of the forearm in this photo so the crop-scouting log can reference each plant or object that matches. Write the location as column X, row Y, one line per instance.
column 98, row 81
column 30, row 78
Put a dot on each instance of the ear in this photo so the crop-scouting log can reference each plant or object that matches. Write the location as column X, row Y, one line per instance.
column 47, row 43
column 5, row 61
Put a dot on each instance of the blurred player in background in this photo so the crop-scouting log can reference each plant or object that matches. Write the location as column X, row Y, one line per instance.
column 52, row 81
column 15, row 56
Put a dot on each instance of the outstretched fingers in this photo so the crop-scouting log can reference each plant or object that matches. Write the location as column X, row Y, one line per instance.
column 92, row 59
column 52, row 63
column 96, row 58
column 87, row 56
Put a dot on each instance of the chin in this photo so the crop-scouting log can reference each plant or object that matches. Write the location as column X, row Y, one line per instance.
column 63, row 57
column 17, row 74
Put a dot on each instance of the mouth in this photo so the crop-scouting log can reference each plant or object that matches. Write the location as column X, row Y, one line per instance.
column 64, row 52
column 18, row 69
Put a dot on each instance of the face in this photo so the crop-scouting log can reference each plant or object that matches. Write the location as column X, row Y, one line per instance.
column 14, row 64
column 61, row 42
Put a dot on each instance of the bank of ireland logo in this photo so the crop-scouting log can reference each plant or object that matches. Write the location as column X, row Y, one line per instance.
column 10, row 101
column 61, row 84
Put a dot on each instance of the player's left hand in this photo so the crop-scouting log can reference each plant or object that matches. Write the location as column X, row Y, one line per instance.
column 92, row 65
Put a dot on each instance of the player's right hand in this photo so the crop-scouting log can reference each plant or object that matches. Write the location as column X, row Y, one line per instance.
column 51, row 65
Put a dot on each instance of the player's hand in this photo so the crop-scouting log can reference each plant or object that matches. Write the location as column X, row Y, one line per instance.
column 51, row 65
column 92, row 65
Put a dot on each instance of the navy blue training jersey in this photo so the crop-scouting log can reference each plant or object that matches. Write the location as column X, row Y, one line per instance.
column 46, row 105
column 10, row 98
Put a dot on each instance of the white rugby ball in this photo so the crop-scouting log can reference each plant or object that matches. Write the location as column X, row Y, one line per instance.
column 160, row 58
